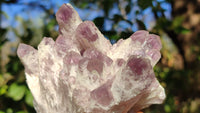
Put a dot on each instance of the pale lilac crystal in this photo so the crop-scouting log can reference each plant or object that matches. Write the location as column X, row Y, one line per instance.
column 81, row 72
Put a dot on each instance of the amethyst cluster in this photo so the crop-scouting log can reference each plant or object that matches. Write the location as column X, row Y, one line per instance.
column 82, row 72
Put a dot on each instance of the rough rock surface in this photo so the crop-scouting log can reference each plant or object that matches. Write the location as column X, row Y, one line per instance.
column 82, row 72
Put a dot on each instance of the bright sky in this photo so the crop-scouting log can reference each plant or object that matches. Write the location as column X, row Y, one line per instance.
column 20, row 10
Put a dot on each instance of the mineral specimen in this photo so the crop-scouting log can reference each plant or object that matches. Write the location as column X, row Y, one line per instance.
column 82, row 72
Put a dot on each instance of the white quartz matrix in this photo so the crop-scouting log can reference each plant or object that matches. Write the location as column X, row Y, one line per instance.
column 82, row 72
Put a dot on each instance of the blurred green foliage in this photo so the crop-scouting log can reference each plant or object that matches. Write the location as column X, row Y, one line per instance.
column 178, row 70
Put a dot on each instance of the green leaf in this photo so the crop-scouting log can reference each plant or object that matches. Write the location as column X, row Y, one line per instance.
column 117, row 18
column 141, row 24
column 99, row 22
column 3, row 89
column 29, row 98
column 177, row 21
column 107, row 5
column 181, row 30
column 1, row 80
column 125, row 35
column 16, row 92
column 51, row 24
column 9, row 110
column 198, row 58
column 114, row 37
column 144, row 3
column 83, row 5
column 2, row 112
column 185, row 31
column 128, row 8
column 167, row 108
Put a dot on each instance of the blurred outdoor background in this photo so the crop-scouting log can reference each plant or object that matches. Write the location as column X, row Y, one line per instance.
column 177, row 22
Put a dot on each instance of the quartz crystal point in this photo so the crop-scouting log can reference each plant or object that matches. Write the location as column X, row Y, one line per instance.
column 82, row 72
